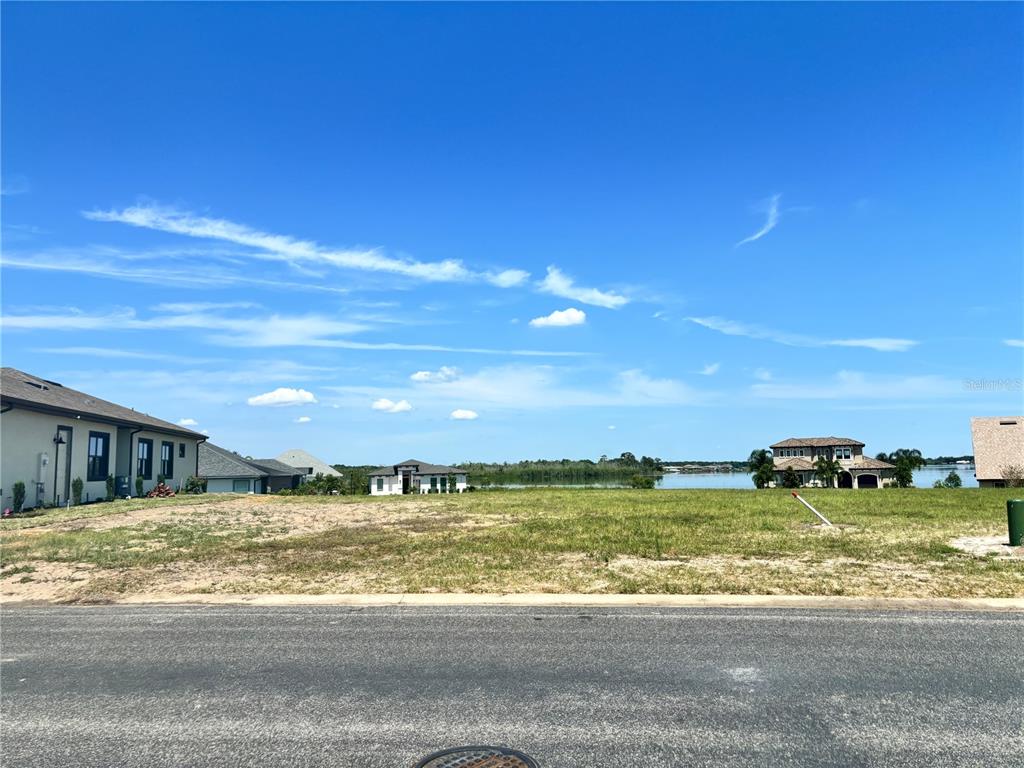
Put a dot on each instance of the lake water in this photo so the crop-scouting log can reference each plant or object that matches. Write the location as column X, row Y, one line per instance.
column 923, row 478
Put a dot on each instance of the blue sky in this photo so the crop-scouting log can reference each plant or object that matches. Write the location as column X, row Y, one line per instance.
column 490, row 232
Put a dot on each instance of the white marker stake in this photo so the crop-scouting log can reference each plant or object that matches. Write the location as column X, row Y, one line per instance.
column 821, row 516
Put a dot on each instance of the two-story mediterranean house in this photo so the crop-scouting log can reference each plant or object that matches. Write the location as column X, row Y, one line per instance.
column 51, row 435
column 801, row 453
column 414, row 476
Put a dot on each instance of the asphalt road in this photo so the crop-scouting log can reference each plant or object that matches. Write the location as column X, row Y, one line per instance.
column 238, row 686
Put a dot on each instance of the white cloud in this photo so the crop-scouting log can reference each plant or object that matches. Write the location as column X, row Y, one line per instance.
column 734, row 328
column 303, row 420
column 560, row 318
column 710, row 369
column 769, row 225
column 283, row 396
column 462, row 414
column 389, row 406
column 1014, row 342
column 187, row 423
column 510, row 278
column 611, row 427
column 557, row 283
column 444, row 373
column 762, row 374
column 296, row 252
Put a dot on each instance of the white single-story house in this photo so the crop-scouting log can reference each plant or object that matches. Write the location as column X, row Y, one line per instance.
column 228, row 472
column 51, row 435
column 998, row 450
column 801, row 453
column 310, row 464
column 416, row 477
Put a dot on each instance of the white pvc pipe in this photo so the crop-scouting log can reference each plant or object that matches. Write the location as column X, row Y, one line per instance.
column 823, row 519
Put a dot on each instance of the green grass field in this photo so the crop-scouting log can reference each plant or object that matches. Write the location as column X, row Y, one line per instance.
column 887, row 543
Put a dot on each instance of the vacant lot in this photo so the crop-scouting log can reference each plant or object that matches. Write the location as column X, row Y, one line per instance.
column 886, row 543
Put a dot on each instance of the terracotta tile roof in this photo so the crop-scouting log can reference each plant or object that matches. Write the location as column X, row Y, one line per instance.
column 869, row 463
column 23, row 389
column 998, row 443
column 815, row 442
column 795, row 463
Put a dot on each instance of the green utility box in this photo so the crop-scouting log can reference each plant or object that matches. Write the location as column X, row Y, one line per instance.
column 1015, row 521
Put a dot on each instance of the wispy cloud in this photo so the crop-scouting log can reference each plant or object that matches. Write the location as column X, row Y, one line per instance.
column 560, row 318
column 390, row 406
column 770, row 222
column 537, row 387
column 1014, row 342
column 187, row 423
column 250, row 330
column 710, row 369
column 464, row 414
column 557, row 283
column 127, row 354
column 855, row 385
column 734, row 328
column 116, row 264
column 303, row 420
column 298, row 252
column 283, row 396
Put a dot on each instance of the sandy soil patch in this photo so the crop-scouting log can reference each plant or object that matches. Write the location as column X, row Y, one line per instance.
column 982, row 546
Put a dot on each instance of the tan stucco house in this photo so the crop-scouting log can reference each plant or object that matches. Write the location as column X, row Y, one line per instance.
column 414, row 476
column 998, row 450
column 51, row 434
column 801, row 453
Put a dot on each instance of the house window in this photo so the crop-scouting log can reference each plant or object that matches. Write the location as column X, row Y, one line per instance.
column 444, row 485
column 240, row 486
column 181, row 450
column 144, row 463
column 801, row 451
column 433, row 485
column 167, row 459
column 380, row 483
column 846, row 453
column 98, row 465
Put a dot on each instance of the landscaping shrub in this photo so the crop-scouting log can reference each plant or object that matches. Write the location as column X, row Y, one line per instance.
column 138, row 486
column 194, row 485
column 18, row 492
column 110, row 487
column 76, row 491
column 641, row 481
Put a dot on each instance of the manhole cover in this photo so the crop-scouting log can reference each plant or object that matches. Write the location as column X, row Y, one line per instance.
column 477, row 757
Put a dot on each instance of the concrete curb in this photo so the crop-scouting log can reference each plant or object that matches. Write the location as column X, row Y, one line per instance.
column 590, row 601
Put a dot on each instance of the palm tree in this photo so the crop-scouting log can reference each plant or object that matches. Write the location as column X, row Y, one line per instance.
column 906, row 461
column 827, row 470
column 764, row 475
column 761, row 466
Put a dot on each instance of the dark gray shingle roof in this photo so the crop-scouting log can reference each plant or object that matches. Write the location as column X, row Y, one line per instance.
column 422, row 468
column 24, row 389
column 218, row 462
column 276, row 468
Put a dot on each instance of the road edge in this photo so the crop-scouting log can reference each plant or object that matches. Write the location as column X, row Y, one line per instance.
column 540, row 600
